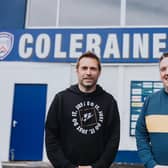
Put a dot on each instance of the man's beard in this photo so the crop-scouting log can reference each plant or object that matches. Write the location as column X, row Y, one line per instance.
column 88, row 86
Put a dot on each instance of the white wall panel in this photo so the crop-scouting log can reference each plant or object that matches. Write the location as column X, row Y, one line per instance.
column 41, row 13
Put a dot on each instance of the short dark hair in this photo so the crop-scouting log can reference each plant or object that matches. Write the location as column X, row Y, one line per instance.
column 89, row 55
column 164, row 55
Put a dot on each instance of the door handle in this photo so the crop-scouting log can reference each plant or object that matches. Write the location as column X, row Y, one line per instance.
column 12, row 152
column 14, row 123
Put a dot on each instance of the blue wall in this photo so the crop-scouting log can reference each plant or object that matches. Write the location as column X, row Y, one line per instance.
column 12, row 14
column 127, row 157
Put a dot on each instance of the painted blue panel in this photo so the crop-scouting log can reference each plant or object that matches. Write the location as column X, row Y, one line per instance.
column 127, row 157
column 28, row 122
column 12, row 13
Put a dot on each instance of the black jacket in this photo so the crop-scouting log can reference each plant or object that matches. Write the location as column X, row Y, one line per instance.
column 82, row 129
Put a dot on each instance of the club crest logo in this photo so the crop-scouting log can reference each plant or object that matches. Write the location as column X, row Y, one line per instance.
column 6, row 44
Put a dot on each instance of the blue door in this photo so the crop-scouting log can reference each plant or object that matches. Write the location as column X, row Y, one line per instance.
column 27, row 127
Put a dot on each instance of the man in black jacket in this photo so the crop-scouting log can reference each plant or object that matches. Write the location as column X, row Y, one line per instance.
column 83, row 123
